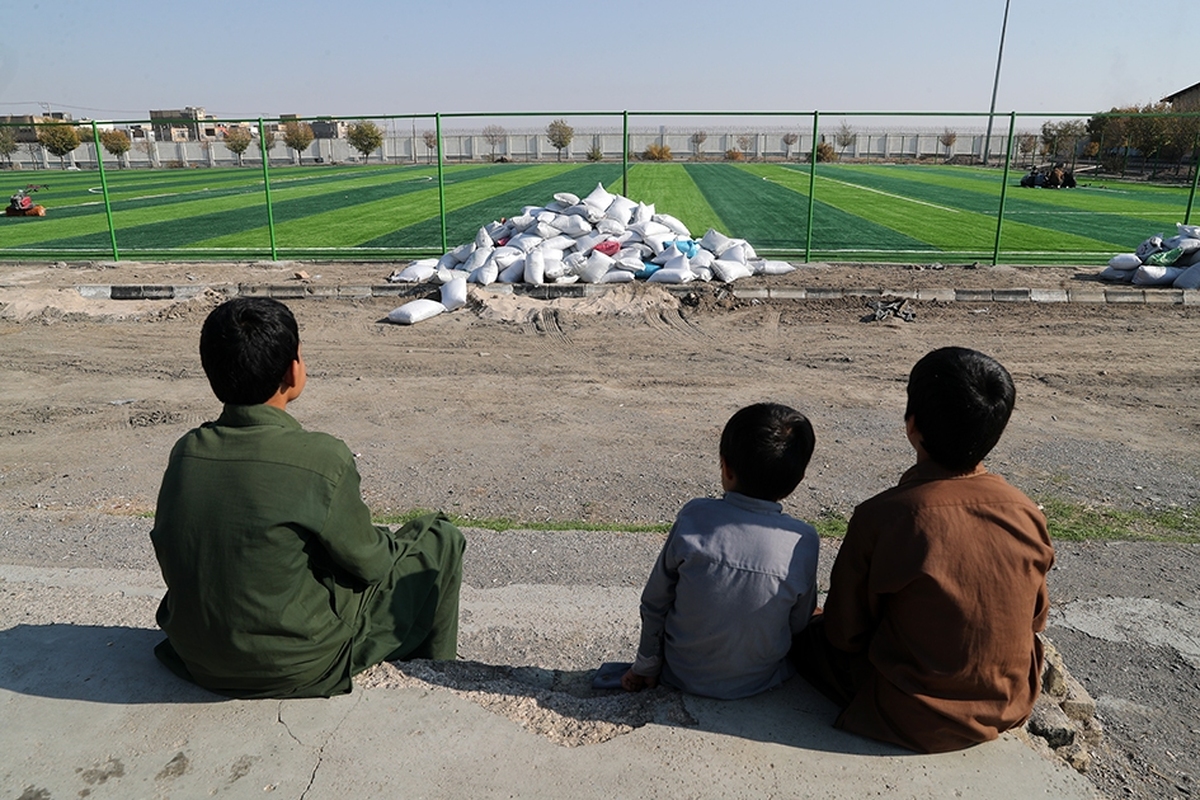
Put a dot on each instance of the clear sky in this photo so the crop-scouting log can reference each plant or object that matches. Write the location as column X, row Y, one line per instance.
column 116, row 59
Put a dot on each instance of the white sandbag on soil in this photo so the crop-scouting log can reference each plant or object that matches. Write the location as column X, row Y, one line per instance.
column 447, row 275
column 478, row 258
column 416, row 272
column 485, row 275
column 730, row 271
column 594, row 270
column 415, row 311
column 702, row 273
column 735, row 252
column 505, row 256
column 669, row 252
column 535, row 268
column 513, row 273
column 554, row 267
column 1189, row 278
column 617, row 276
column 463, row 251
column 1148, row 275
column 702, row 258
column 1117, row 275
column 454, row 294
column 1125, row 261
column 448, row 261
column 665, row 275
column 774, row 268
column 716, row 241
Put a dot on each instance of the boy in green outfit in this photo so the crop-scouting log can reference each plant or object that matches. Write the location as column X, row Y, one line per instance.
column 278, row 584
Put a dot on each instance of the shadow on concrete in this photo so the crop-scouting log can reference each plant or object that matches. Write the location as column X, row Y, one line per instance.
column 793, row 715
column 93, row 663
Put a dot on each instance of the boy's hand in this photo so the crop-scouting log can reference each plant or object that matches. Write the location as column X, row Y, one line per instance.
column 632, row 682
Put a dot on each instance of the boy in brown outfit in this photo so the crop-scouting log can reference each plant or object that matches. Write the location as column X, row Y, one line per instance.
column 927, row 639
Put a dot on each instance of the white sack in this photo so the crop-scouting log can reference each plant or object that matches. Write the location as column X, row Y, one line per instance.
column 775, row 268
column 566, row 198
column 1156, row 276
column 595, row 268
column 674, row 224
column 415, row 311
column 730, row 271
column 535, row 268
column 1125, row 261
column 600, row 198
column 416, row 272
column 454, row 294
column 1189, row 278
column 1118, row 275
column 514, row 272
column 617, row 276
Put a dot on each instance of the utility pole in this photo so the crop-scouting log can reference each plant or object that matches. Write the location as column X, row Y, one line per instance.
column 987, row 142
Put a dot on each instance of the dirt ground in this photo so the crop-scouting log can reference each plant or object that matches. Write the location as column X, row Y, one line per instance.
column 598, row 409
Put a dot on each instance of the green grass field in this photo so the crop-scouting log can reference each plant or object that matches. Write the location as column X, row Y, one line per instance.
column 860, row 212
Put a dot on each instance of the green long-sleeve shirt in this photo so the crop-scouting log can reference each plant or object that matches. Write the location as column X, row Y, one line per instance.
column 269, row 556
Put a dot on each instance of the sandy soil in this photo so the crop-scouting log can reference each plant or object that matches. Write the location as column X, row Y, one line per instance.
column 601, row 410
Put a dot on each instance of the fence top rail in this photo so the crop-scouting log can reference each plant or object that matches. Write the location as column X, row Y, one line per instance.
column 621, row 113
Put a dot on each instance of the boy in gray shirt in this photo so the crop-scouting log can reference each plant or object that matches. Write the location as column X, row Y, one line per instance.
column 736, row 577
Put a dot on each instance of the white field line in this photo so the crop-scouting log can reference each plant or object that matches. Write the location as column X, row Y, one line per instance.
column 879, row 191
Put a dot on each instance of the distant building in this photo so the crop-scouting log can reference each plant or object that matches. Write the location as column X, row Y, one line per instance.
column 27, row 123
column 328, row 129
column 1185, row 99
column 182, row 125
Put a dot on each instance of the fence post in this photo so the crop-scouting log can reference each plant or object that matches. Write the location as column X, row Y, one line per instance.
column 812, row 182
column 437, row 124
column 625, row 153
column 262, row 148
column 1012, row 125
column 1187, row 216
column 112, row 231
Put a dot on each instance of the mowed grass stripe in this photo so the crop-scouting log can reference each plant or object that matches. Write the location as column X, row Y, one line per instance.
column 464, row 222
column 53, row 229
column 672, row 191
column 769, row 214
column 248, row 216
column 1027, row 226
column 352, row 226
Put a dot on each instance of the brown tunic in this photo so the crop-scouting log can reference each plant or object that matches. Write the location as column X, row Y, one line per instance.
column 941, row 583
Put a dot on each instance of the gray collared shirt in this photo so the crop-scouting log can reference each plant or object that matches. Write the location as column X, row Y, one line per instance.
column 735, row 579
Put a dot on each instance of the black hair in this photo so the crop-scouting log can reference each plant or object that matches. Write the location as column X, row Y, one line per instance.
column 767, row 447
column 246, row 347
column 960, row 401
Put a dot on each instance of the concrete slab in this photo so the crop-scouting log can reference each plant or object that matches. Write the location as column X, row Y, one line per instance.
column 90, row 712
column 1049, row 295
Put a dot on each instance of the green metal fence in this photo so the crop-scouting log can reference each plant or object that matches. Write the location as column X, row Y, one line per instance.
column 814, row 138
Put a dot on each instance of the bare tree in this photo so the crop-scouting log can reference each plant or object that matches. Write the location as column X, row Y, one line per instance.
column 1026, row 144
column 698, row 140
column 494, row 135
column 789, row 139
column 744, row 141
column 34, row 149
column 844, row 137
column 8, row 144
column 560, row 135
column 948, row 138
column 431, row 143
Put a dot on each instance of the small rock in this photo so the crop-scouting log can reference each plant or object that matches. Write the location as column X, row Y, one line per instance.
column 1054, row 673
column 301, row 275
column 1076, row 755
column 1078, row 704
column 1049, row 722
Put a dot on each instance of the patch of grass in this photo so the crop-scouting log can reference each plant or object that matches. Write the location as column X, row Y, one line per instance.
column 830, row 525
column 509, row 524
column 1077, row 522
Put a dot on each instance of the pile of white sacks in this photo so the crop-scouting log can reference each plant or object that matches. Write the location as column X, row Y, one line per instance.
column 602, row 238
column 1160, row 262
